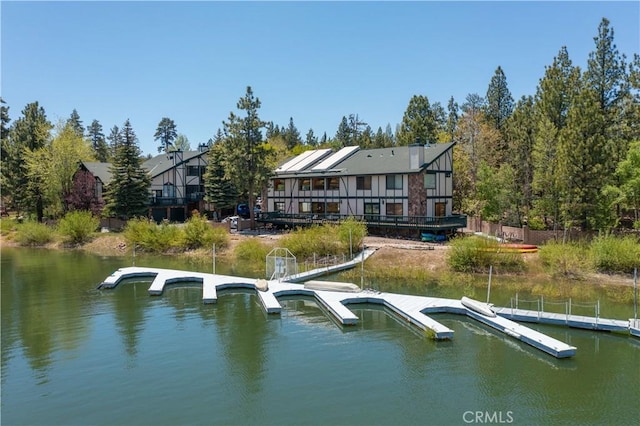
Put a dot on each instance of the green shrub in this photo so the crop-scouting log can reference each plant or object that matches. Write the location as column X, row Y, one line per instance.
column 536, row 224
column 566, row 260
column 320, row 240
column 199, row 233
column 78, row 226
column 252, row 250
column 165, row 237
column 352, row 231
column 34, row 234
column 151, row 237
column 139, row 231
column 473, row 254
column 7, row 226
column 615, row 254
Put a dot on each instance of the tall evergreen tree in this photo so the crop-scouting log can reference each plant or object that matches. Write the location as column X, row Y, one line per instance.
column 165, row 133
column 420, row 122
column 606, row 68
column 218, row 189
column 128, row 192
column 28, row 133
column 75, row 123
column 98, row 141
column 292, row 135
column 4, row 131
column 115, row 139
column 354, row 128
column 311, row 139
column 554, row 96
column 606, row 75
column 343, row 135
column 520, row 131
column 246, row 156
column 583, row 156
column 499, row 104
column 452, row 117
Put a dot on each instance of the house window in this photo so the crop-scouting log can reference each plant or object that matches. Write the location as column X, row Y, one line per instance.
column 363, row 182
column 304, row 184
column 394, row 209
column 318, row 184
column 333, row 184
column 158, row 193
column 333, row 208
column 372, row 208
column 278, row 184
column 278, row 206
column 430, row 181
column 318, row 208
column 394, row 182
column 441, row 209
column 168, row 190
column 304, row 207
column 194, row 170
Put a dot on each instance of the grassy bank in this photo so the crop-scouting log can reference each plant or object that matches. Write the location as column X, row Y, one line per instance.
column 557, row 271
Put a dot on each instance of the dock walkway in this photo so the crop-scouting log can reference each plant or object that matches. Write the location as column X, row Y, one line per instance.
column 413, row 309
column 575, row 321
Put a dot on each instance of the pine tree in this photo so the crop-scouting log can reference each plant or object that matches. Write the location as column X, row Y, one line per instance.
column 343, row 134
column 246, row 156
column 115, row 139
column 583, row 156
column 520, row 133
column 452, row 117
column 499, row 104
column 420, row 122
column 554, row 96
column 292, row 135
column 75, row 123
column 311, row 139
column 127, row 195
column 98, row 141
column 28, row 133
column 166, row 134
column 218, row 189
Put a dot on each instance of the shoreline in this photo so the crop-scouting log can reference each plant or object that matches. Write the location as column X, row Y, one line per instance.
column 411, row 256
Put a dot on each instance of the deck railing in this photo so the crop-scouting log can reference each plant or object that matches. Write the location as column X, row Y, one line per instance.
column 421, row 222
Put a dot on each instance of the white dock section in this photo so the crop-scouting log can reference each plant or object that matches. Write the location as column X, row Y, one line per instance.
column 634, row 327
column 318, row 272
column 413, row 309
column 575, row 321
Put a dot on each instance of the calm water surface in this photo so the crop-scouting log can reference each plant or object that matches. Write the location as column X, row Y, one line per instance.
column 72, row 355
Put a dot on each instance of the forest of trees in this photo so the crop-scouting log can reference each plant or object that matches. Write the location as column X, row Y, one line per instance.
column 567, row 155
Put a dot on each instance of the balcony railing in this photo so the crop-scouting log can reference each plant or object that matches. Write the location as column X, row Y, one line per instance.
column 419, row 222
column 175, row 201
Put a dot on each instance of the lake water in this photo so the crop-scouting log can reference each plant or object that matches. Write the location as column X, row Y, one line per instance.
column 73, row 355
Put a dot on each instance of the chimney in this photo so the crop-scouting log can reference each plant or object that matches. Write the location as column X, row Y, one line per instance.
column 416, row 156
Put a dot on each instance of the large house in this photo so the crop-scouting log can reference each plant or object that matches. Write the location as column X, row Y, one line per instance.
column 177, row 186
column 407, row 186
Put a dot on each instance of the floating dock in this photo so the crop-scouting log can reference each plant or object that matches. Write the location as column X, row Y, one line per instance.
column 634, row 327
column 574, row 321
column 413, row 309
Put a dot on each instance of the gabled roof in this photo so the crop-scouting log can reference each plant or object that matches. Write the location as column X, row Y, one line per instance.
column 377, row 161
column 163, row 162
column 100, row 170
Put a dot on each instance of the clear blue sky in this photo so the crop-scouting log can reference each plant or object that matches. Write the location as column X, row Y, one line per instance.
column 315, row 62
